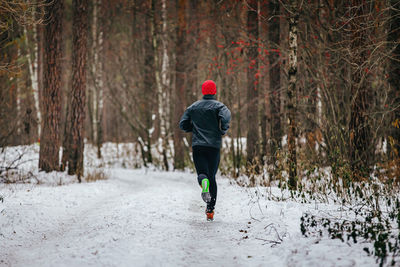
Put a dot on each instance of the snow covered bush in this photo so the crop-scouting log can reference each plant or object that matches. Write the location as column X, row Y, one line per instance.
column 378, row 230
column 15, row 164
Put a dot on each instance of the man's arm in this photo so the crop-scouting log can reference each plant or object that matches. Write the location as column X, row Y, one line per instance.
column 186, row 123
column 224, row 116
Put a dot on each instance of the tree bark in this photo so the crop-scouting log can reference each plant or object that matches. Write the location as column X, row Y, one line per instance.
column 100, row 75
column 179, row 156
column 192, row 51
column 33, row 60
column 78, row 93
column 50, row 137
column 252, row 84
column 292, row 94
column 66, row 143
column 40, row 72
column 149, row 77
column 96, row 89
column 163, row 84
column 274, row 79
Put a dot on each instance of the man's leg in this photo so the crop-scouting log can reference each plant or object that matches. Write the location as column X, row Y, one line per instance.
column 201, row 164
column 213, row 163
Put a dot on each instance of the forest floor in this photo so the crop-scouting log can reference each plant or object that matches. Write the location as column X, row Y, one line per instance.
column 152, row 218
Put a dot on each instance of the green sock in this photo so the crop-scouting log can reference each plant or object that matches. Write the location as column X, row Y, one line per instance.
column 205, row 184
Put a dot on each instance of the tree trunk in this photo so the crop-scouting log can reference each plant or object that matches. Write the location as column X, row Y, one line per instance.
column 50, row 137
column 103, row 5
column 78, row 100
column 192, row 52
column 149, row 77
column 394, row 72
column 94, row 64
column 33, row 60
column 274, row 79
column 96, row 89
column 252, row 84
column 163, row 84
column 40, row 71
column 66, row 145
column 8, row 92
column 360, row 130
column 18, row 96
column 179, row 155
column 292, row 94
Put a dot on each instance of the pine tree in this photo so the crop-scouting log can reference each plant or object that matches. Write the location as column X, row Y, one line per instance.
column 51, row 97
column 78, row 93
column 179, row 155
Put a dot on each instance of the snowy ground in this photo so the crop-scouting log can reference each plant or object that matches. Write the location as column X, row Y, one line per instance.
column 157, row 219
column 153, row 218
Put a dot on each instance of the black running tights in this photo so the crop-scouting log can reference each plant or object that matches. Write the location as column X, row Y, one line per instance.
column 206, row 160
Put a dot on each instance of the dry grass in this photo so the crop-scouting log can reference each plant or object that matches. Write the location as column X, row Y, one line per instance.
column 96, row 175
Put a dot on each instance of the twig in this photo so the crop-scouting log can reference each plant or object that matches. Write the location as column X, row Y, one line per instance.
column 274, row 242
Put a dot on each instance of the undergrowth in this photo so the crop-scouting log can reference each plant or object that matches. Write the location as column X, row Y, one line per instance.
column 96, row 175
column 368, row 208
column 368, row 227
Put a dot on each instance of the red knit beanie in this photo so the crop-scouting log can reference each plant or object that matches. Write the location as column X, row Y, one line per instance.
column 209, row 88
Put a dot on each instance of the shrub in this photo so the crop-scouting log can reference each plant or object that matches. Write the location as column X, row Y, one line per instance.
column 96, row 175
column 375, row 227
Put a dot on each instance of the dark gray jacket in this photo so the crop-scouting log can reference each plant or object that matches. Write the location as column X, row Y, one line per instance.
column 208, row 119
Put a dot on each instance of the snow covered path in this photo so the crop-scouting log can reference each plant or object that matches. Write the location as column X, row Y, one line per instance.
column 157, row 219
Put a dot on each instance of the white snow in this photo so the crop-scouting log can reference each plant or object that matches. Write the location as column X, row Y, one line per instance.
column 150, row 218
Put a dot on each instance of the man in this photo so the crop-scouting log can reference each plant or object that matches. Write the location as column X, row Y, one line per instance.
column 208, row 119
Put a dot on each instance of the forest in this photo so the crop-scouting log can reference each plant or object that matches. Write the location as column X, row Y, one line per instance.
column 313, row 87
column 308, row 82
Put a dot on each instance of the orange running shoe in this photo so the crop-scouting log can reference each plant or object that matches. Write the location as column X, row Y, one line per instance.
column 210, row 214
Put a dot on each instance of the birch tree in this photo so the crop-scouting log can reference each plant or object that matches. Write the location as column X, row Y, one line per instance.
column 163, row 83
column 96, row 89
column 33, row 67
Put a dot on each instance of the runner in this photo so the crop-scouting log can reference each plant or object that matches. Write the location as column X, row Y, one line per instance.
column 208, row 119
